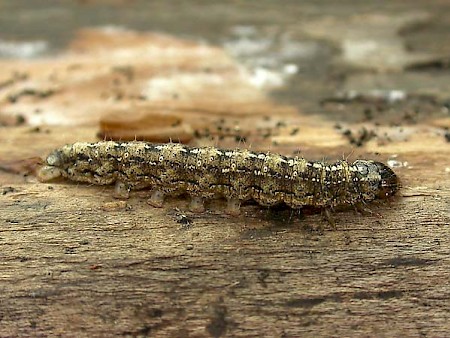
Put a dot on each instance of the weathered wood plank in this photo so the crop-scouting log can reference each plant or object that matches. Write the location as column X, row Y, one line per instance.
column 72, row 261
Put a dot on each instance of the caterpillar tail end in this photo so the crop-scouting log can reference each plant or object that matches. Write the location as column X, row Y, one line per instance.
column 48, row 173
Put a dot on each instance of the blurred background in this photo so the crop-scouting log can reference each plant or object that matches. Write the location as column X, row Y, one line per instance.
column 327, row 74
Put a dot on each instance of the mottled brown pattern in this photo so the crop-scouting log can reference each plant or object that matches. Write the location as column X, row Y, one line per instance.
column 208, row 172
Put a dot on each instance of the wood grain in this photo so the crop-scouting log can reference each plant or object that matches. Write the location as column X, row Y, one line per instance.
column 73, row 261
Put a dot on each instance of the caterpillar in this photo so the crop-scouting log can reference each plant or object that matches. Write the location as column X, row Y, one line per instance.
column 207, row 172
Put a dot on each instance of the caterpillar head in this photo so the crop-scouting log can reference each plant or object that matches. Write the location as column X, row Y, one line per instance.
column 389, row 183
column 376, row 179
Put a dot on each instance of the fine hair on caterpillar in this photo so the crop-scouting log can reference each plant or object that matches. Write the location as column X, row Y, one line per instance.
column 207, row 172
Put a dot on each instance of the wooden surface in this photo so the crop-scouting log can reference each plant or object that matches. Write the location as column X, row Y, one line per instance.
column 75, row 262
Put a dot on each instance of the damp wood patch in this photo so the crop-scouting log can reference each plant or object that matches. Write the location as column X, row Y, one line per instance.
column 207, row 172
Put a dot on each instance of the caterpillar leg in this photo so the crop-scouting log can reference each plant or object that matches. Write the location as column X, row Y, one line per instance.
column 329, row 217
column 233, row 207
column 197, row 205
column 156, row 199
column 362, row 209
column 297, row 212
column 121, row 190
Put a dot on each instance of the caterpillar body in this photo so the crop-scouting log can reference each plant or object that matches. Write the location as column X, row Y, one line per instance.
column 207, row 172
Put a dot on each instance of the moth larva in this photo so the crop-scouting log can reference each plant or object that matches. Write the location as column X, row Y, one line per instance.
column 208, row 172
